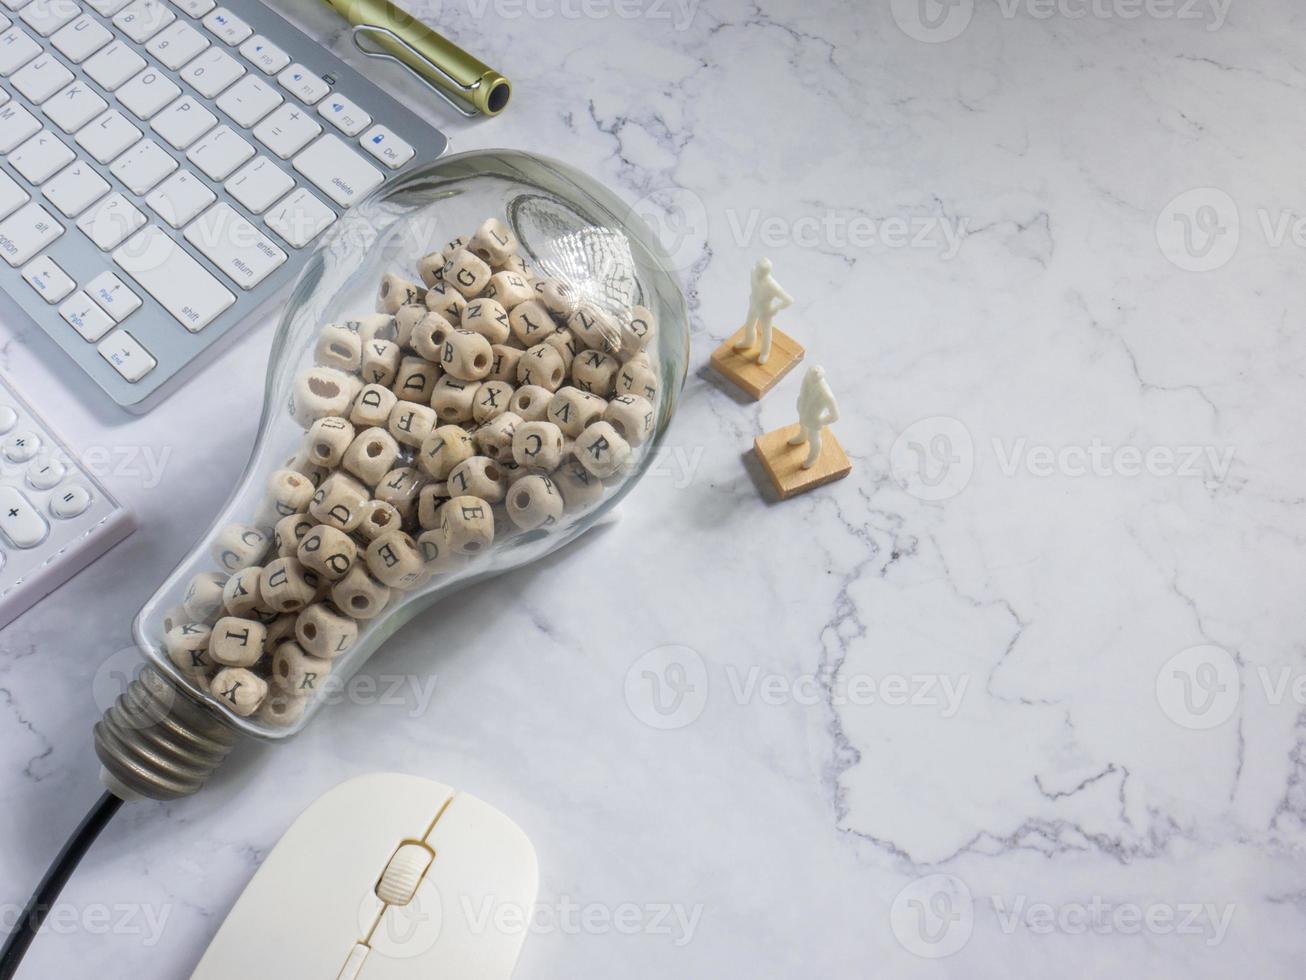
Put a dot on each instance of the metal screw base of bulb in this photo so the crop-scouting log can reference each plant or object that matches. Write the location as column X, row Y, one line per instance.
column 158, row 742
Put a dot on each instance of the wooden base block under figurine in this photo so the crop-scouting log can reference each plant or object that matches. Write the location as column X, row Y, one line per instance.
column 741, row 367
column 783, row 461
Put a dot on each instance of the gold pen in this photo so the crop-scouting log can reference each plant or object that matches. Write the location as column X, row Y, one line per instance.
column 467, row 84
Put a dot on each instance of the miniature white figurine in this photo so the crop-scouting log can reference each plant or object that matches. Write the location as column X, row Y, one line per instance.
column 764, row 302
column 816, row 409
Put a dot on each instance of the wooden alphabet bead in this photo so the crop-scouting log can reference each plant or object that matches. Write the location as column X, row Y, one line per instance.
column 241, row 595
column 174, row 616
column 415, row 380
column 488, row 318
column 380, row 362
column 504, row 366
column 379, row 517
column 395, row 560
column 467, row 524
column 533, row 501
column 453, row 399
column 371, row 455
column 571, row 409
column 406, row 321
column 514, row 263
column 238, row 546
column 437, row 555
column 565, row 344
column 328, row 551
column 399, row 488
column 372, row 408
column 537, row 445
column 290, row 532
column 396, row 291
column 287, row 586
column 321, row 391
column 429, row 335
column 531, row 402
column 455, row 245
column 542, row 365
column 595, row 329
column 429, row 501
column 321, row 631
column 329, row 437
column 238, row 690
column 492, row 400
column 466, row 273
column 601, row 451
column 638, row 330
column 431, row 268
column 297, row 672
column 493, row 242
column 632, row 416
column 289, row 493
column 494, row 438
column 237, row 642
column 280, row 630
column 580, row 489
column 304, row 466
column 339, row 346
column 442, row 298
column 594, row 371
column 281, row 709
column 410, row 423
column 202, row 601
column 444, row 449
column 637, row 377
column 375, row 326
column 557, row 297
column 466, row 355
column 339, row 502
column 479, row 476
column 531, row 322
column 360, row 595
column 187, row 646
column 508, row 289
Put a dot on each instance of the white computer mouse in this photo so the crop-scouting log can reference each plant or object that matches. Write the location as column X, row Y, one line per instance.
column 386, row 877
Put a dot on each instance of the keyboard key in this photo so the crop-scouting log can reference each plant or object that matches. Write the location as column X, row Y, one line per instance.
column 45, row 472
column 180, row 198
column 387, row 147
column 11, row 195
column 75, row 189
column 16, row 125
column 219, row 153
column 40, row 78
column 172, row 276
column 113, row 65
column 300, row 218
column 81, row 39
column 106, row 8
column 287, row 131
column 112, row 295
column 177, row 44
column 21, row 523
column 22, row 446
column 183, row 122
column 84, row 316
column 227, row 26
column 41, row 157
column 27, row 231
column 344, row 115
column 148, row 92
column 16, row 49
column 303, row 84
column 142, row 19
column 235, row 246
column 110, row 222
column 50, row 281
column 8, row 419
column 71, row 502
column 196, row 8
column 74, row 107
column 249, row 100
column 212, row 72
column 339, row 171
column 142, row 167
column 259, row 184
column 108, row 136
column 266, row 56
column 47, row 16
column 128, row 357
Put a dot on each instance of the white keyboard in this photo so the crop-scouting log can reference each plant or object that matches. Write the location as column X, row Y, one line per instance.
column 55, row 518
column 168, row 166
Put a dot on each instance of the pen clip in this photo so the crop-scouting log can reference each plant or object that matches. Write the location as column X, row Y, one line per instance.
column 362, row 29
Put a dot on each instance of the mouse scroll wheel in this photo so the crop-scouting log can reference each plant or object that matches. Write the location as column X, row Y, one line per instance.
column 404, row 873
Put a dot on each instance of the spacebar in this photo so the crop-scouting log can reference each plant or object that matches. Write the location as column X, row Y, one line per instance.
column 182, row 286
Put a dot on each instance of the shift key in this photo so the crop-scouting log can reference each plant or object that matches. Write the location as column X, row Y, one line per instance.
column 234, row 245
column 172, row 276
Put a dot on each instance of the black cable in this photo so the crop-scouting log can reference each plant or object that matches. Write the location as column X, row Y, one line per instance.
column 43, row 899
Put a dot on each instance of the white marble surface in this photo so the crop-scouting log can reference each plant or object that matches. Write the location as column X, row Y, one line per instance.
column 979, row 231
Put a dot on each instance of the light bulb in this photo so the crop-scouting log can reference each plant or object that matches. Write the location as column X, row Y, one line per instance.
column 589, row 262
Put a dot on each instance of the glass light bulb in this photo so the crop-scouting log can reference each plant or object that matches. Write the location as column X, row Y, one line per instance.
column 172, row 728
